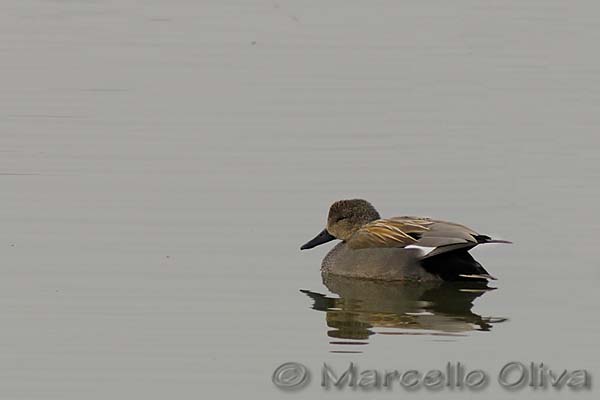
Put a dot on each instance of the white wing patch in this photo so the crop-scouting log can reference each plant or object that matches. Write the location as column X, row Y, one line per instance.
column 478, row 276
column 424, row 250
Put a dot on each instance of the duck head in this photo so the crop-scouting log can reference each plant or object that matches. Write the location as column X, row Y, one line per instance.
column 345, row 217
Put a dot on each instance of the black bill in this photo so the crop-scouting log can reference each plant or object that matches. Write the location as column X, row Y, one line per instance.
column 321, row 238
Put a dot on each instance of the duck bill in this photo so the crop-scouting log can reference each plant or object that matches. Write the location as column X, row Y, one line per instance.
column 321, row 238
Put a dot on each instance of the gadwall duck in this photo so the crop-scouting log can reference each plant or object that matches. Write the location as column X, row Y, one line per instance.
column 398, row 248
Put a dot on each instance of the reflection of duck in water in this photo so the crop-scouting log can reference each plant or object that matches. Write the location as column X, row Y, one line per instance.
column 437, row 308
column 399, row 248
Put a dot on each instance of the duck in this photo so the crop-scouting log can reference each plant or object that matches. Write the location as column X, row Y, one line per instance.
column 405, row 248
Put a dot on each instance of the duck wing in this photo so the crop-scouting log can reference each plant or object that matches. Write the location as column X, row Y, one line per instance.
column 433, row 236
column 392, row 232
column 443, row 236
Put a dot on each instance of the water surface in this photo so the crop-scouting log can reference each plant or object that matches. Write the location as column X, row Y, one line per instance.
column 161, row 164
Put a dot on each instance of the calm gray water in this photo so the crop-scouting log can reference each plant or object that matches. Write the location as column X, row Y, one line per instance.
column 162, row 162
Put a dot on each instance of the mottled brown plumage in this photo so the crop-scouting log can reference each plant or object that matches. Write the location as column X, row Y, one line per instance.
column 393, row 232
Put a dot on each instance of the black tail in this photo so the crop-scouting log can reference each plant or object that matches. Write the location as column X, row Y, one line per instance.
column 487, row 239
column 456, row 265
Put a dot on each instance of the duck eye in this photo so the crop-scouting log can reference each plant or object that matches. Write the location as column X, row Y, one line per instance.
column 340, row 219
